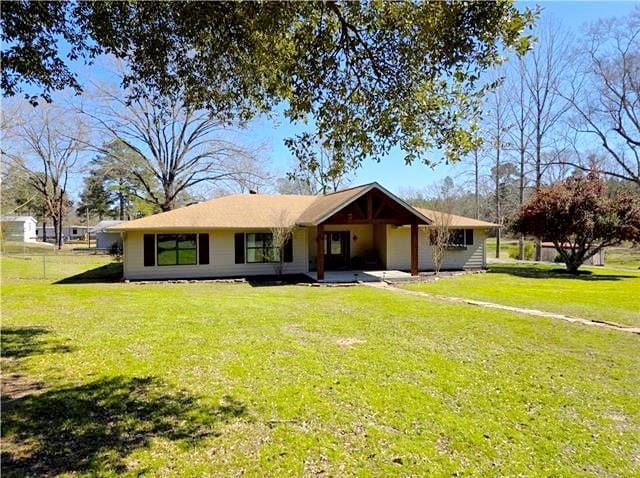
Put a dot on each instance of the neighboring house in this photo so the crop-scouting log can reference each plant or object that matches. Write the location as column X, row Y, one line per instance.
column 69, row 233
column 19, row 228
column 364, row 227
column 105, row 239
column 549, row 253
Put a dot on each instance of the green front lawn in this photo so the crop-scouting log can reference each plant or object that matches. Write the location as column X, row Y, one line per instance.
column 623, row 257
column 599, row 294
column 230, row 379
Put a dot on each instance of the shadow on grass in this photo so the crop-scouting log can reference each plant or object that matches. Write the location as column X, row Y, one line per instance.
column 92, row 428
column 104, row 274
column 275, row 280
column 21, row 342
column 535, row 272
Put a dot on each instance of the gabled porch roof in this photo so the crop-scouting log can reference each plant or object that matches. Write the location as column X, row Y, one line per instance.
column 327, row 206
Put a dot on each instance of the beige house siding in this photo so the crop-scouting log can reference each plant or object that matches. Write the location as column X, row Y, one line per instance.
column 221, row 258
column 399, row 245
column 392, row 243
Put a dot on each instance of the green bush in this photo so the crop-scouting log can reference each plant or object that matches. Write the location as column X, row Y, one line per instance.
column 529, row 251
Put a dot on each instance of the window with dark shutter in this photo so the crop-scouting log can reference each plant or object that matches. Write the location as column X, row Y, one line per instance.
column 149, row 250
column 203, row 248
column 288, row 250
column 239, row 244
column 469, row 240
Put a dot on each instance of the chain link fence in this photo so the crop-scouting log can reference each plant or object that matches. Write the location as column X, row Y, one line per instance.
column 41, row 261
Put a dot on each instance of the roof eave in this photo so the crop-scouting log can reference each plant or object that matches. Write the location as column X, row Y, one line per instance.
column 473, row 226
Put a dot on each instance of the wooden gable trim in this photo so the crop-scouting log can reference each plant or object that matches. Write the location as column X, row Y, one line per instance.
column 375, row 207
column 421, row 218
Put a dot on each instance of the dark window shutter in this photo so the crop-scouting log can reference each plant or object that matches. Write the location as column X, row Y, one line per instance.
column 469, row 240
column 203, row 248
column 239, row 241
column 288, row 250
column 149, row 250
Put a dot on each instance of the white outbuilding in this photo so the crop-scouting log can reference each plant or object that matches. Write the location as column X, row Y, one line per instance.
column 19, row 228
column 105, row 239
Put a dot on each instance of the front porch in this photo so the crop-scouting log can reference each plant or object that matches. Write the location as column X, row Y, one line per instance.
column 353, row 239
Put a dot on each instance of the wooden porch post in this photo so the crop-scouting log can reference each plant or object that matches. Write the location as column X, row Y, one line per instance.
column 414, row 249
column 320, row 252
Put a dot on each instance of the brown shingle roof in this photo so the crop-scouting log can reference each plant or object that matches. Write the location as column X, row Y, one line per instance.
column 455, row 220
column 247, row 211
column 237, row 211
column 324, row 205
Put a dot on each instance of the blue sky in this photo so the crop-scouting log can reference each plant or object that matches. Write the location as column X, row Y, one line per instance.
column 391, row 171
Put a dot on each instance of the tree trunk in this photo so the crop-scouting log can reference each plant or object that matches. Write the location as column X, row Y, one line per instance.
column 120, row 200
column 573, row 265
column 44, row 229
column 538, row 184
column 60, row 238
column 477, row 192
column 498, row 201
column 54, row 221
column 59, row 208
column 521, row 193
column 167, row 204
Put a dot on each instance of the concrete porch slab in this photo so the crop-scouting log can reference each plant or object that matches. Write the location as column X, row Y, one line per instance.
column 362, row 276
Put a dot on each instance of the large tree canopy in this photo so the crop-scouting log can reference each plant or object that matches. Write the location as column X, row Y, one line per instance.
column 366, row 76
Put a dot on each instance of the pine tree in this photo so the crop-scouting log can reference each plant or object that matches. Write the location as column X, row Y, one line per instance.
column 95, row 198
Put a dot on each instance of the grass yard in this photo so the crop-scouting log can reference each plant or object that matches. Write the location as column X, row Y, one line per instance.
column 604, row 294
column 506, row 246
column 229, row 379
column 31, row 248
column 623, row 257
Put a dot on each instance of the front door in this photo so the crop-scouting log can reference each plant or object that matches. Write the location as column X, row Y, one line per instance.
column 336, row 249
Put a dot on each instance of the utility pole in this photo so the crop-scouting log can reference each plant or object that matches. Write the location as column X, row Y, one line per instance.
column 88, row 235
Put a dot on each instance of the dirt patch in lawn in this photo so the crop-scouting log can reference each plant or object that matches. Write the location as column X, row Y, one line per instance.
column 17, row 386
column 349, row 341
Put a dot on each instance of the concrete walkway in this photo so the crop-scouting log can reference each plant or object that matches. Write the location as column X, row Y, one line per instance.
column 519, row 310
column 342, row 277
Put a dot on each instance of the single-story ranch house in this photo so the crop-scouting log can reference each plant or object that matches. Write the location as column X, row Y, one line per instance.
column 360, row 228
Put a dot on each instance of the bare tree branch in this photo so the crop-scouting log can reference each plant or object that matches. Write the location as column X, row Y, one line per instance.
column 42, row 148
column 179, row 148
column 605, row 94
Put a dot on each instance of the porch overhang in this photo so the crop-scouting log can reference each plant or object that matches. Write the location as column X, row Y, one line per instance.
column 370, row 204
column 330, row 205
